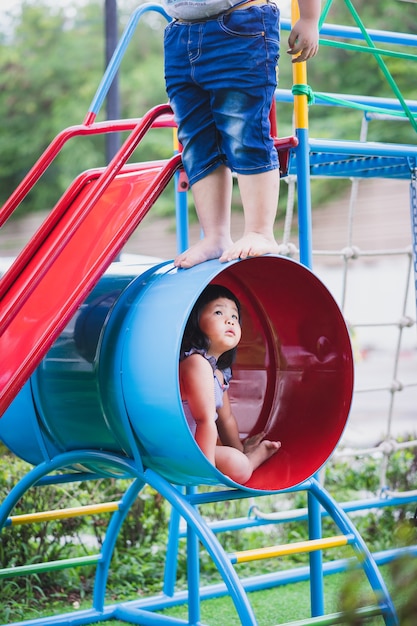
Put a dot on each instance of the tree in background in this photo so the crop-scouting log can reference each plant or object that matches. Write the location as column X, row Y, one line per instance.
column 50, row 68
column 52, row 61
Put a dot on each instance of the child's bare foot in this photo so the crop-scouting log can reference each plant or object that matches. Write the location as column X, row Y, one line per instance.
column 204, row 250
column 263, row 452
column 251, row 244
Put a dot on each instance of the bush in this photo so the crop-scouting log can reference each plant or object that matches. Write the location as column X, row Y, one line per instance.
column 140, row 544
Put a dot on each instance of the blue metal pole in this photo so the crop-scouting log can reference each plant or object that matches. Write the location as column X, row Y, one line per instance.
column 193, row 572
column 119, row 52
column 365, row 557
column 315, row 558
column 413, row 208
column 352, row 32
column 112, row 534
column 305, row 231
column 170, row 574
column 192, row 516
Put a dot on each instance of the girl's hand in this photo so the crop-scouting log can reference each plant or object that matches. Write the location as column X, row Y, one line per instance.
column 252, row 442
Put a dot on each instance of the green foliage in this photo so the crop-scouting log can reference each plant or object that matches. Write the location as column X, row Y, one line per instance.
column 47, row 72
column 400, row 576
column 50, row 68
column 342, row 477
column 140, row 549
column 363, row 477
column 402, row 470
column 52, row 61
column 138, row 562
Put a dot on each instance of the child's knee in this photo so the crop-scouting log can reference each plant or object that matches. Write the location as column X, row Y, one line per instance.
column 242, row 470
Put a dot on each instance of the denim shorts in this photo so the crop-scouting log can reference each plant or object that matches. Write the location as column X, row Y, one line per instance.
column 221, row 76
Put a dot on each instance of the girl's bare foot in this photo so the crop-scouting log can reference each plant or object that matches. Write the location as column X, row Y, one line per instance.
column 263, row 452
column 251, row 244
column 204, row 250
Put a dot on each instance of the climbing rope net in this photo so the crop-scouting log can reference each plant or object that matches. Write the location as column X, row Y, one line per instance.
column 372, row 280
column 374, row 287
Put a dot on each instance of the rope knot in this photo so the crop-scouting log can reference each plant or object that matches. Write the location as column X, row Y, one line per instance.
column 304, row 90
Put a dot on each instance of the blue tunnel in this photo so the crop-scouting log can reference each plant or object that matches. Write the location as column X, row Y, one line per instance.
column 110, row 382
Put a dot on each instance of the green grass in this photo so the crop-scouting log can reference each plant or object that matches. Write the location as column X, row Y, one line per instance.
column 287, row 603
column 281, row 604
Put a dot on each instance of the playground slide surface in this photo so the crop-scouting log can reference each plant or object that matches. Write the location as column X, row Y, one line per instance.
column 61, row 264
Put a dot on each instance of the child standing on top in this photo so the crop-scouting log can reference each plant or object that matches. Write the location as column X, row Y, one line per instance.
column 221, row 61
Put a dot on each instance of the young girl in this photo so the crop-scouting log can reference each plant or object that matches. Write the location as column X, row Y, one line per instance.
column 208, row 349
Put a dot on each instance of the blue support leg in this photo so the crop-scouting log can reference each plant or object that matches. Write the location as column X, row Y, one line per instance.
column 211, row 543
column 112, row 533
column 193, row 569
column 170, row 573
column 413, row 209
column 316, row 558
column 365, row 557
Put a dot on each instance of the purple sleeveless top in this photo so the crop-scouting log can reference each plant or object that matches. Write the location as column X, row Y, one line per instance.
column 219, row 388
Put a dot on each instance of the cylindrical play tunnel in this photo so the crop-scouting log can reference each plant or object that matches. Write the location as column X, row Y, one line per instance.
column 111, row 381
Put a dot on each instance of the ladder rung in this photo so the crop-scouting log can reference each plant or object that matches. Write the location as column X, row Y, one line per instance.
column 36, row 568
column 291, row 548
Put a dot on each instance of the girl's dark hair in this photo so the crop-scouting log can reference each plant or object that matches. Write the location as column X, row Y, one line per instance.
column 194, row 337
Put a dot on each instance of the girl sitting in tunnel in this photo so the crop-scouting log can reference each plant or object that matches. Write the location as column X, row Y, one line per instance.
column 208, row 349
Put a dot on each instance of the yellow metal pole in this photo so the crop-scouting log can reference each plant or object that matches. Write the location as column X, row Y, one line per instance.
column 78, row 511
column 299, row 73
column 291, row 548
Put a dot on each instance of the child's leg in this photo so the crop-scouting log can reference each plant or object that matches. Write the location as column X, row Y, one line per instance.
column 233, row 463
column 259, row 193
column 212, row 196
column 238, row 465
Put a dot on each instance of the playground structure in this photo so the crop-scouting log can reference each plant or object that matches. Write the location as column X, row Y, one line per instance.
column 100, row 317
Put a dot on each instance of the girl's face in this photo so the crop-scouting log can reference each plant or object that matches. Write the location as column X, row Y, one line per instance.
column 219, row 321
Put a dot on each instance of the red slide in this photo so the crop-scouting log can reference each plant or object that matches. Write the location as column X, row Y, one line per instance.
column 77, row 242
